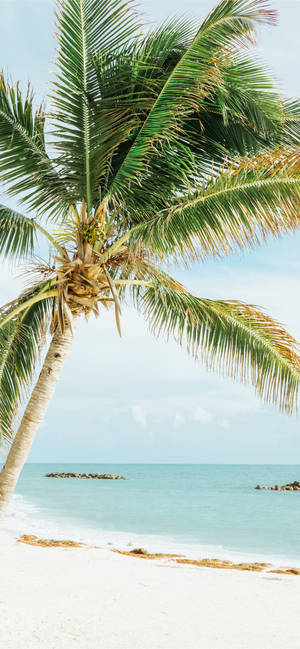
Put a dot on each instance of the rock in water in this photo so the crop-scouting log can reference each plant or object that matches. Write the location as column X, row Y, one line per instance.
column 291, row 486
column 86, row 476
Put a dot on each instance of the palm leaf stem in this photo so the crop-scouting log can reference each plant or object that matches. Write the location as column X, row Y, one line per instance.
column 115, row 246
column 116, row 300
column 85, row 112
column 230, row 190
column 76, row 215
column 132, row 282
column 26, row 305
column 49, row 237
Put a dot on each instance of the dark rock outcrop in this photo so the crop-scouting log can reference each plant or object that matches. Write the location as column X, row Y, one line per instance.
column 291, row 486
column 86, row 476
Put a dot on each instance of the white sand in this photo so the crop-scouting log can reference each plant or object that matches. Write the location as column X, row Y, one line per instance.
column 52, row 598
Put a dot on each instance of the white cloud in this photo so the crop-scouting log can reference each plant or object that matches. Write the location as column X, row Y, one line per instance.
column 224, row 423
column 202, row 415
column 139, row 415
column 179, row 419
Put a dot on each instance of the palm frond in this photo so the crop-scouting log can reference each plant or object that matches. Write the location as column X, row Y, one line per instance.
column 18, row 234
column 21, row 340
column 25, row 166
column 191, row 81
column 40, row 292
column 252, row 198
column 235, row 338
column 129, row 82
column 247, row 90
column 291, row 122
column 139, row 271
column 245, row 112
column 85, row 27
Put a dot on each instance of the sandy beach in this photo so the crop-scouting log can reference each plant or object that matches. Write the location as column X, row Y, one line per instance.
column 56, row 598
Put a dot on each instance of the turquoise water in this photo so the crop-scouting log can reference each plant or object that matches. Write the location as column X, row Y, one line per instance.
column 202, row 510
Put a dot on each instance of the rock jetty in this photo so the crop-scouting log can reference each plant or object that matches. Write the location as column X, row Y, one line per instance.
column 292, row 486
column 86, row 476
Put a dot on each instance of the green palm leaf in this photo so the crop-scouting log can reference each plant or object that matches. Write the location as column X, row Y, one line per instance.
column 291, row 122
column 129, row 82
column 24, row 164
column 239, row 207
column 85, row 27
column 190, row 83
column 247, row 89
column 235, row 338
column 245, row 112
column 21, row 339
column 18, row 234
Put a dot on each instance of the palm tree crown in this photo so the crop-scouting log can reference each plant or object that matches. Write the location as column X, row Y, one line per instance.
column 169, row 145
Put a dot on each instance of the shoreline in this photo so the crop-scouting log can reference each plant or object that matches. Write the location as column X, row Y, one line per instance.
column 141, row 553
column 83, row 597
column 223, row 516
column 122, row 541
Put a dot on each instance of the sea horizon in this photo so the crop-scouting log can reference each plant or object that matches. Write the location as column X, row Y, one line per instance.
column 170, row 463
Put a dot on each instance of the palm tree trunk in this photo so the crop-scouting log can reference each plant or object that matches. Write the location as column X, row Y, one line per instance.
column 34, row 414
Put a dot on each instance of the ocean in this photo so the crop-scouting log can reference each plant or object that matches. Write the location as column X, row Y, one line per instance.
column 198, row 510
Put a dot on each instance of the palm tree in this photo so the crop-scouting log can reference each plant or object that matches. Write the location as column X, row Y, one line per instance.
column 168, row 146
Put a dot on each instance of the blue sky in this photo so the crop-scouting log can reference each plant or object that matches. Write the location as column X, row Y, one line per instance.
column 142, row 400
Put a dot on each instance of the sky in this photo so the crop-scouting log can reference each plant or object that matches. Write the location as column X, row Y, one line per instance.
column 138, row 399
